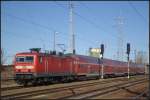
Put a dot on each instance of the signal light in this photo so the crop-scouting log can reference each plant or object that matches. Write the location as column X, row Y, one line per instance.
column 102, row 49
column 128, row 48
column 74, row 51
column 54, row 52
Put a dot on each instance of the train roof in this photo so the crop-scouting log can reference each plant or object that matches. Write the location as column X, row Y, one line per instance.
column 105, row 61
column 40, row 54
column 85, row 58
column 25, row 53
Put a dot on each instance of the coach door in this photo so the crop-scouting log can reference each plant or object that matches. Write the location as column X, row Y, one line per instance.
column 75, row 66
column 46, row 64
column 70, row 65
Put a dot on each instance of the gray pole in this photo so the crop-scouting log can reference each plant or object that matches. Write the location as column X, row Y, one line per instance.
column 128, row 68
column 120, row 23
column 54, row 41
column 72, row 35
column 135, row 55
column 102, row 69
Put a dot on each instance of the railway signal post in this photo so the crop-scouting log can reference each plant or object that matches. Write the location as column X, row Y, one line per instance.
column 128, row 53
column 99, row 68
column 101, row 54
column 102, row 76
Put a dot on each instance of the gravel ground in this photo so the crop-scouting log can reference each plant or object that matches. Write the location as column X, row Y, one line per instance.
column 126, row 93
column 7, row 73
column 61, row 94
column 68, row 92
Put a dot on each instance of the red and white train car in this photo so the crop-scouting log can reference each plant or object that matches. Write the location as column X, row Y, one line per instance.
column 36, row 67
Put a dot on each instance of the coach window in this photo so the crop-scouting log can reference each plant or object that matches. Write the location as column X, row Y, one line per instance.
column 40, row 59
column 81, row 65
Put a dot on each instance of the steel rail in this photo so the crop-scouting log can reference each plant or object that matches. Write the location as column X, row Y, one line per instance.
column 104, row 90
column 31, row 93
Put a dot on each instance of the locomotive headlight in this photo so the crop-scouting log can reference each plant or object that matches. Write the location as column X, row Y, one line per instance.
column 18, row 67
column 29, row 67
column 24, row 67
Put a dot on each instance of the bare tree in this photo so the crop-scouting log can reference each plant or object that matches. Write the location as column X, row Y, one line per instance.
column 141, row 57
column 3, row 59
column 2, row 62
column 2, row 55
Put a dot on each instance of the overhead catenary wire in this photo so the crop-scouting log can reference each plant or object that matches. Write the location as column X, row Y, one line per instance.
column 31, row 22
column 13, row 34
column 28, row 37
column 45, row 27
column 84, row 4
column 42, row 26
column 22, row 36
column 51, row 29
column 48, row 28
column 89, row 10
column 83, row 39
column 138, row 13
column 87, row 20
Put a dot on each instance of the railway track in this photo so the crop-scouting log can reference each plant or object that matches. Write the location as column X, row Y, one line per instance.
column 58, row 89
column 30, row 93
column 142, row 95
column 20, row 87
column 14, row 87
column 105, row 90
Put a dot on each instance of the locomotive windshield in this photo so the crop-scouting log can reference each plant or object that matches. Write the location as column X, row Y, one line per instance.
column 24, row 59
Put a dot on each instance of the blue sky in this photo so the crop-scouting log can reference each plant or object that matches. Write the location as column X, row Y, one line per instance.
column 31, row 24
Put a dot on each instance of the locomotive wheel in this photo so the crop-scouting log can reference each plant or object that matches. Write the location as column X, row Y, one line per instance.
column 25, row 83
column 34, row 82
column 46, row 81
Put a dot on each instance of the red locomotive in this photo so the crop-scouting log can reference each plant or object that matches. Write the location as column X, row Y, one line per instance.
column 36, row 67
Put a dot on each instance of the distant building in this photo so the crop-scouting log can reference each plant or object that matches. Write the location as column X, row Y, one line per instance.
column 94, row 52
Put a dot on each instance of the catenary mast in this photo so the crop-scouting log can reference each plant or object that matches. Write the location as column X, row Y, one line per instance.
column 72, row 35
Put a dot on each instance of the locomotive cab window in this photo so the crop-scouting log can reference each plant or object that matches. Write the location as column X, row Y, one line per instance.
column 29, row 59
column 24, row 59
column 20, row 59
